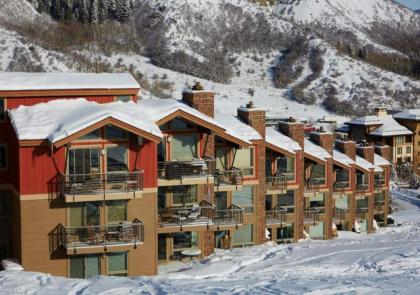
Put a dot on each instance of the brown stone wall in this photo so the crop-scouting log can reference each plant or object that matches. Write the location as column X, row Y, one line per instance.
column 367, row 152
column 299, row 198
column 347, row 147
column 202, row 101
column 384, row 151
column 254, row 118
column 294, row 130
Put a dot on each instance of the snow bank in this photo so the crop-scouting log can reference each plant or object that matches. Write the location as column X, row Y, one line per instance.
column 11, row 264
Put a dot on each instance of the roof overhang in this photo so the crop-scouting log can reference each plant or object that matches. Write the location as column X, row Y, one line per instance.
column 364, row 169
column 217, row 130
column 278, row 149
column 313, row 158
column 341, row 164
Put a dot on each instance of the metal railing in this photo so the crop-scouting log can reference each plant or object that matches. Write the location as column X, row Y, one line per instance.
column 311, row 215
column 172, row 170
column 85, row 184
column 233, row 215
column 340, row 213
column 340, row 186
column 361, row 213
column 379, row 206
column 379, row 182
column 228, row 177
column 276, row 182
column 277, row 215
column 202, row 213
column 362, row 187
column 103, row 235
column 312, row 185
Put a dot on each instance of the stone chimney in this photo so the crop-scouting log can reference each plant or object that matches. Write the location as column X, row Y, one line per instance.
column 323, row 139
column 366, row 152
column 254, row 117
column 293, row 129
column 384, row 151
column 381, row 111
column 199, row 99
column 347, row 147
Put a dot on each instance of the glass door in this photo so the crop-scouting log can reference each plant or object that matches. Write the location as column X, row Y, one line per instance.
column 83, row 214
column 84, row 164
column 221, row 201
column 84, row 267
column 162, row 247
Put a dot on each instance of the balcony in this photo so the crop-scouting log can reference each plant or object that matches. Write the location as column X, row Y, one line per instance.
column 90, row 187
column 341, row 186
column 311, row 215
column 361, row 188
column 232, row 216
column 276, row 216
column 87, row 239
column 186, row 172
column 182, row 216
column 361, row 213
column 312, row 185
column 379, row 206
column 340, row 214
column 228, row 179
column 276, row 183
column 379, row 182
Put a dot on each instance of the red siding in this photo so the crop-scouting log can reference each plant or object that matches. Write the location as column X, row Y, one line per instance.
column 147, row 161
column 28, row 101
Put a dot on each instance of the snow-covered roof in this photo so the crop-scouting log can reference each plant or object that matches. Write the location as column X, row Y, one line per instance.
column 58, row 119
column 364, row 164
column 378, row 169
column 15, row 81
column 379, row 160
column 236, row 128
column 342, row 158
column 366, row 120
column 390, row 127
column 278, row 139
column 409, row 115
column 315, row 150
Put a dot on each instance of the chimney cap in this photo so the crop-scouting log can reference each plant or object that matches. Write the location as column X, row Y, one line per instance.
column 250, row 105
column 198, row 86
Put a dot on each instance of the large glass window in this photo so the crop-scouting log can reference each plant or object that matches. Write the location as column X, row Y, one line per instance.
column 84, row 161
column 116, row 211
column 362, row 203
column 285, row 234
column 116, row 159
column 117, row 264
column 243, row 236
column 184, row 147
column 115, row 133
column 244, row 160
column 183, row 240
column 286, row 166
column 123, row 98
column 287, row 201
column 317, row 231
column 342, row 202
column 244, row 199
column 342, row 175
column 316, row 201
column 84, row 267
column 3, row 156
column 184, row 195
column 83, row 214
column 221, row 159
column 362, row 178
column 318, row 173
column 94, row 135
column 379, row 198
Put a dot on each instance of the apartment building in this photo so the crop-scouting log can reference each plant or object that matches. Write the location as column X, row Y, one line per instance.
column 107, row 184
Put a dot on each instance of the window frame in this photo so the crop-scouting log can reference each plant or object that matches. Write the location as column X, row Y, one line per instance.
column 84, row 256
column 107, row 210
column 253, row 160
column 253, row 207
column 169, row 147
column 123, row 273
column 127, row 157
column 244, row 244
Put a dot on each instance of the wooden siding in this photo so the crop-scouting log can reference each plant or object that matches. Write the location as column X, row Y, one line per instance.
column 146, row 160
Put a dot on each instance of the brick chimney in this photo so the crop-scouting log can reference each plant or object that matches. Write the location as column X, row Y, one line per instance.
column 293, row 129
column 347, row 147
column 254, row 117
column 381, row 111
column 384, row 151
column 199, row 99
column 323, row 139
column 366, row 152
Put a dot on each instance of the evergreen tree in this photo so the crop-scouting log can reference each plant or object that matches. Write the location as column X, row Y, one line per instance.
column 94, row 12
column 123, row 10
column 103, row 10
column 84, row 12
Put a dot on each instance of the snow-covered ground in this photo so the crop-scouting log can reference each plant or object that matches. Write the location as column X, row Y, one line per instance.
column 387, row 262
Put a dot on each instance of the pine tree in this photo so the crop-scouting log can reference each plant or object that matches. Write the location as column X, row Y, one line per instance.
column 123, row 10
column 103, row 10
column 94, row 12
column 84, row 13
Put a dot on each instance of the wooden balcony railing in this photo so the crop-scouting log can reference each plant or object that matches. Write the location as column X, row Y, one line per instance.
column 341, row 186
column 173, row 170
column 103, row 235
column 340, row 214
column 196, row 214
column 311, row 215
column 312, row 185
column 276, row 182
column 228, row 177
column 277, row 215
column 362, row 188
column 361, row 213
column 233, row 215
column 112, row 182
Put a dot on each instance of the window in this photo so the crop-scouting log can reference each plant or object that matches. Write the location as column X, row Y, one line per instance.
column 243, row 236
column 318, row 173
column 362, row 178
column 342, row 175
column 4, row 205
column 123, row 98
column 286, row 165
column 408, row 150
column 184, row 195
column 285, row 234
column 399, row 150
column 2, row 109
column 84, row 267
column 244, row 199
column 399, row 140
column 221, row 159
column 83, row 214
column 116, row 159
column 316, row 201
column 177, row 124
column 342, row 202
column 115, row 133
column 362, row 203
column 94, row 135
column 3, row 156
column 117, row 264
column 183, row 241
column 287, row 201
column 244, row 160
column 83, row 161
column 317, row 231
column 379, row 198
column 184, row 147
column 116, row 211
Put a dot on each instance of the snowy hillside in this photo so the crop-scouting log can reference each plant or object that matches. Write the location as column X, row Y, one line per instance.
column 387, row 262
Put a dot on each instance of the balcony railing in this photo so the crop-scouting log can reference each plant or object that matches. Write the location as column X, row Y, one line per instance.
column 379, row 182
column 103, row 235
column 379, row 206
column 174, row 170
column 276, row 216
column 311, row 215
column 86, row 184
column 362, row 187
column 276, row 182
column 312, row 185
column 361, row 213
column 340, row 213
column 228, row 177
column 233, row 215
column 196, row 214
column 341, row 186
